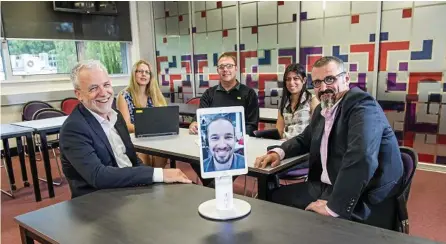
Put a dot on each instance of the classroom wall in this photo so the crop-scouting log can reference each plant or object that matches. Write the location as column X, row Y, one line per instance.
column 395, row 51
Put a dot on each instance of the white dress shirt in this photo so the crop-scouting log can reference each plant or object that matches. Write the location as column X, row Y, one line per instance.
column 117, row 144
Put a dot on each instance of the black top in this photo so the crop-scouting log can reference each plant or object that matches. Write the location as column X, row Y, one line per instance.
column 240, row 95
column 169, row 214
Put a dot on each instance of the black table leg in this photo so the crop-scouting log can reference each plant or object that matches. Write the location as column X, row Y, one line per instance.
column 173, row 164
column 266, row 184
column 46, row 161
column 262, row 185
column 33, row 166
column 21, row 154
column 8, row 161
column 24, row 235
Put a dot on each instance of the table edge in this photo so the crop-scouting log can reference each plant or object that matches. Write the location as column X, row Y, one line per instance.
column 34, row 231
column 192, row 159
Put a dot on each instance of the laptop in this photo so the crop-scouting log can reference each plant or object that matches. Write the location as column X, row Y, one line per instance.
column 157, row 121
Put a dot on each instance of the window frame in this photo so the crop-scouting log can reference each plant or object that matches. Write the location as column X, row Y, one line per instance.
column 10, row 78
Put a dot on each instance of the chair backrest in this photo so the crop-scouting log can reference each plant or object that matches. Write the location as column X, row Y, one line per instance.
column 410, row 162
column 31, row 107
column 195, row 100
column 46, row 113
column 68, row 104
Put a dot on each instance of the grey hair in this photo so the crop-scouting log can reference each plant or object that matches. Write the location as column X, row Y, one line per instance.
column 327, row 59
column 85, row 64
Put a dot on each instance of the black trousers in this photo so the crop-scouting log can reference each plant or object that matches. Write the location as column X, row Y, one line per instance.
column 300, row 195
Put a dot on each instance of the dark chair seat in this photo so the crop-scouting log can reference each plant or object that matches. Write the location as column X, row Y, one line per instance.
column 184, row 124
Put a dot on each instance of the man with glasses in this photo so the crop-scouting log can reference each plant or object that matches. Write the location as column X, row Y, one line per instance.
column 355, row 166
column 230, row 92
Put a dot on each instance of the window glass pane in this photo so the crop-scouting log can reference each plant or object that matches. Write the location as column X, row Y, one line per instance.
column 2, row 67
column 267, row 46
column 411, row 86
column 173, row 50
column 41, row 57
column 112, row 54
column 214, row 34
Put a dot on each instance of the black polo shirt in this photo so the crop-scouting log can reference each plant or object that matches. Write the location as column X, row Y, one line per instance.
column 240, row 95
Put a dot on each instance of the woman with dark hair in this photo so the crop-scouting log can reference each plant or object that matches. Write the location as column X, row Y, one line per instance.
column 297, row 104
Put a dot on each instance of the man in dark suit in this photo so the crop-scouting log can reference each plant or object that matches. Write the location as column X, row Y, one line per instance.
column 96, row 150
column 355, row 166
column 221, row 141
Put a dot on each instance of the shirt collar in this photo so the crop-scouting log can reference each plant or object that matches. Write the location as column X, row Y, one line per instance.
column 112, row 116
column 237, row 87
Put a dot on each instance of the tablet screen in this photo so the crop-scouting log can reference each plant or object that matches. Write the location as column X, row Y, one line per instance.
column 222, row 142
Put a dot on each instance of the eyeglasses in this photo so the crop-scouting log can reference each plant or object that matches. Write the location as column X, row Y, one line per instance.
column 223, row 66
column 327, row 80
column 143, row 71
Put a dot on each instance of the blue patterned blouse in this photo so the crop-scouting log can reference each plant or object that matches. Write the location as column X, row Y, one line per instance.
column 128, row 98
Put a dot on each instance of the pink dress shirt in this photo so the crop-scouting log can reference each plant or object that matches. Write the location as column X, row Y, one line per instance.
column 329, row 115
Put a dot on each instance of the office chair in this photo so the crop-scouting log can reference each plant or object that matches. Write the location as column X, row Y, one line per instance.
column 46, row 113
column 410, row 162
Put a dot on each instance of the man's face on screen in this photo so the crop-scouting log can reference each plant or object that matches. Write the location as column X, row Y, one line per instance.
column 221, row 140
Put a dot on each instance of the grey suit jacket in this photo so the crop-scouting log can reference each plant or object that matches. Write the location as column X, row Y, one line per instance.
column 87, row 158
column 364, row 162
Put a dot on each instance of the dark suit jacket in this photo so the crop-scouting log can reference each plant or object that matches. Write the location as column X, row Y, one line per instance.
column 238, row 162
column 87, row 157
column 363, row 163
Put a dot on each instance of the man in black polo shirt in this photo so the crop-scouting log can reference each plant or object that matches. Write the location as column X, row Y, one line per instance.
column 230, row 92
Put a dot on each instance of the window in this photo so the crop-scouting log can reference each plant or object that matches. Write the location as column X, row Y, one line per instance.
column 112, row 54
column 2, row 67
column 32, row 57
column 29, row 57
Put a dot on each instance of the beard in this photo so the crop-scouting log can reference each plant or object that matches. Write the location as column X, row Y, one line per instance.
column 224, row 157
column 327, row 98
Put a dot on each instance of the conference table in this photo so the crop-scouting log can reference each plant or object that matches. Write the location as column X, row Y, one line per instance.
column 12, row 131
column 184, row 147
column 167, row 214
column 266, row 115
column 44, row 127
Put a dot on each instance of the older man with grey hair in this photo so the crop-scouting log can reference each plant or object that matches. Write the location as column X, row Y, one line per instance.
column 96, row 150
column 355, row 166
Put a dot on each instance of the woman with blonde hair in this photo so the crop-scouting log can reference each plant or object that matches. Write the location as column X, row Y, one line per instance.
column 142, row 92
